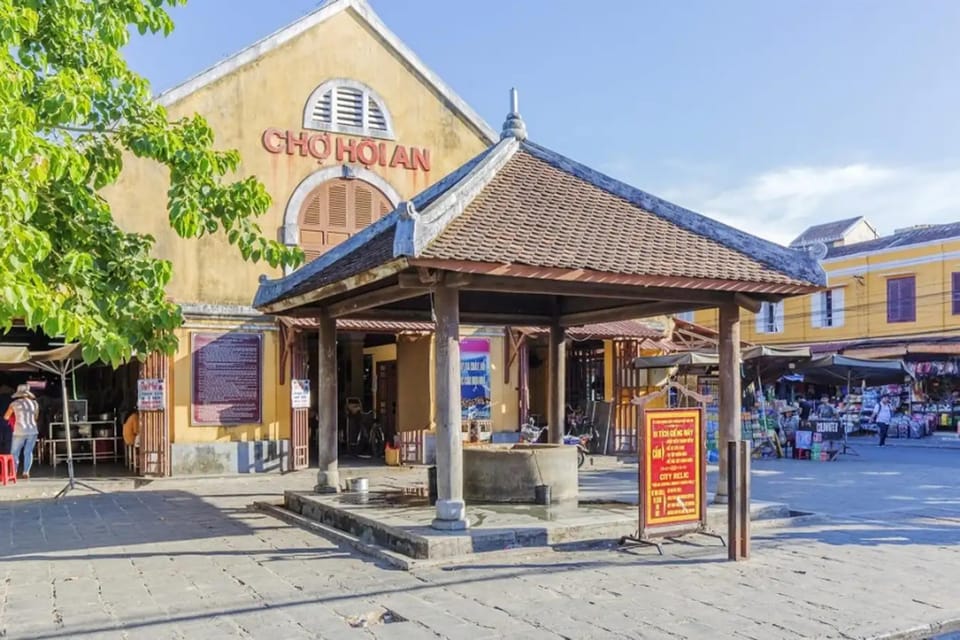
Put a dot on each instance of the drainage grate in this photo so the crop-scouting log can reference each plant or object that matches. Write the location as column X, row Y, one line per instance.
column 374, row 618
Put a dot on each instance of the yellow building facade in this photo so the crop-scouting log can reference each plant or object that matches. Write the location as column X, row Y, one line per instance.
column 889, row 296
column 342, row 122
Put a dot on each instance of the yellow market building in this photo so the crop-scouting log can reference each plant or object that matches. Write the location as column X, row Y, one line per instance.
column 342, row 122
column 887, row 296
column 895, row 296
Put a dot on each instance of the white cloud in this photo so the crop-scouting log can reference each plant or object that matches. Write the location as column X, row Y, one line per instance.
column 779, row 204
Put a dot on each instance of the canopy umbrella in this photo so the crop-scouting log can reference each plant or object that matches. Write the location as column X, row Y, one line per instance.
column 837, row 369
column 768, row 364
column 62, row 362
column 682, row 359
column 761, row 360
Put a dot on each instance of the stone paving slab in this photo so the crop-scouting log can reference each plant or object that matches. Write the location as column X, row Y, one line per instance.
column 194, row 562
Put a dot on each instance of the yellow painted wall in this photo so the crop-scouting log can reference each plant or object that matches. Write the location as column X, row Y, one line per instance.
column 863, row 279
column 383, row 353
column 276, row 397
column 505, row 396
column 415, row 379
column 272, row 92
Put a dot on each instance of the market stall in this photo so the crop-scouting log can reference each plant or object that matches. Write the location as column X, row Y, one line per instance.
column 74, row 421
column 761, row 365
column 855, row 376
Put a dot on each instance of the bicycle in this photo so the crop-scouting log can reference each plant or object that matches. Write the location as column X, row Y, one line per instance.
column 369, row 439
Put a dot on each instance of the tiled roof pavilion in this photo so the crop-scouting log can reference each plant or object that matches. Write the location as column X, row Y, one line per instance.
column 523, row 236
column 520, row 216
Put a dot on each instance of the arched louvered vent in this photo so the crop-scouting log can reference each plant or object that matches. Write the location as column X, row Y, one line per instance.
column 347, row 106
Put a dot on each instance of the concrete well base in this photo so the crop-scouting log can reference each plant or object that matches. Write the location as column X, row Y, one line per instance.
column 510, row 473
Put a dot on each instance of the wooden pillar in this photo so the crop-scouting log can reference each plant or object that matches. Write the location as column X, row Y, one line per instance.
column 729, row 401
column 557, row 383
column 328, row 475
column 451, row 512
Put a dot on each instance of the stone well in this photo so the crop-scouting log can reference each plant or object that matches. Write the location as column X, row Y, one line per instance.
column 509, row 473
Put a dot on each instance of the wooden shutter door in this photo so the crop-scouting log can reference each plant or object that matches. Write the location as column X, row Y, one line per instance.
column 299, row 418
column 336, row 210
column 155, row 425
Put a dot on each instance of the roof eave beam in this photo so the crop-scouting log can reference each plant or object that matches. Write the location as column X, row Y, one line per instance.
column 282, row 307
column 625, row 312
column 373, row 299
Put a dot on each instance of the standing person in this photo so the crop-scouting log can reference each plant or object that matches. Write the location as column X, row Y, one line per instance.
column 825, row 410
column 24, row 409
column 6, row 429
column 882, row 414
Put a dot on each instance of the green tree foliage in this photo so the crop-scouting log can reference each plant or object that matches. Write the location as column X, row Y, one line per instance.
column 70, row 109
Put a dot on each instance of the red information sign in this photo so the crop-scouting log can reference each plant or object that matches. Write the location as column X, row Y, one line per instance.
column 672, row 469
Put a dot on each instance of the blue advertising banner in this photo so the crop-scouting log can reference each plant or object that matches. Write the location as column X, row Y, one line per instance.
column 474, row 380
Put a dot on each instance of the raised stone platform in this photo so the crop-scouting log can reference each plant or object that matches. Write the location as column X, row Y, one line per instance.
column 399, row 521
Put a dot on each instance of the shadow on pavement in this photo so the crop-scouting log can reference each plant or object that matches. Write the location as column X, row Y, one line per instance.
column 919, row 530
column 83, row 522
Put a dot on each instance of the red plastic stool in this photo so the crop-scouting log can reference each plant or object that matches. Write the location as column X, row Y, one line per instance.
column 8, row 469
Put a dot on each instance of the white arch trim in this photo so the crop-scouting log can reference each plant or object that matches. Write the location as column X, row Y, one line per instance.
column 290, row 231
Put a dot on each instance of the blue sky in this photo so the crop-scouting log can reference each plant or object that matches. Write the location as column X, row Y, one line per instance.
column 767, row 115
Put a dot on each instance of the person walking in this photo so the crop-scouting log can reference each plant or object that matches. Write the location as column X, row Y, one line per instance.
column 24, row 409
column 882, row 414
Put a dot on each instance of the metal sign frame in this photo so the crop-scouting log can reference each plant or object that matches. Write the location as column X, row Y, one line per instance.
column 649, row 529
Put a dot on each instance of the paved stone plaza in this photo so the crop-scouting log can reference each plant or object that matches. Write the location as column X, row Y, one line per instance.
column 188, row 559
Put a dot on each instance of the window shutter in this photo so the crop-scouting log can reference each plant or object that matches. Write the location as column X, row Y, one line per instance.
column 956, row 293
column 761, row 318
column 349, row 107
column 909, row 304
column 778, row 318
column 363, row 207
column 314, row 210
column 838, row 307
column 902, row 299
column 322, row 109
column 816, row 310
column 337, row 206
column 376, row 119
column 336, row 210
column 893, row 300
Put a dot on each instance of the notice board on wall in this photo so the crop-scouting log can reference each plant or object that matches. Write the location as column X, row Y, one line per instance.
column 672, row 472
column 226, row 378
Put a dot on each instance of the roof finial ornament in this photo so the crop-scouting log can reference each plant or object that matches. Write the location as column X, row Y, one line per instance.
column 514, row 126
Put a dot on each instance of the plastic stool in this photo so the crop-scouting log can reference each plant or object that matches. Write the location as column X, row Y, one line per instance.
column 8, row 469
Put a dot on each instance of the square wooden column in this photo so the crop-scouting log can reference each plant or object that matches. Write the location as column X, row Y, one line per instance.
column 451, row 511
column 729, row 401
column 328, row 475
column 557, row 384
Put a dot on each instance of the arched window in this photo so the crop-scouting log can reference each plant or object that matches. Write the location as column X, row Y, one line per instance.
column 336, row 210
column 348, row 106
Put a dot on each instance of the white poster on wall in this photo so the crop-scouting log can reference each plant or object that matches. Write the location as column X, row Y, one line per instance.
column 300, row 394
column 151, row 394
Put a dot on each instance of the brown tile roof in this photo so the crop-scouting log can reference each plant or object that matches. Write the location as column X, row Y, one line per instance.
column 520, row 204
column 376, row 251
column 536, row 214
